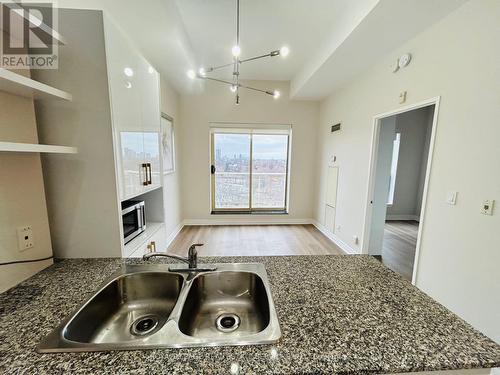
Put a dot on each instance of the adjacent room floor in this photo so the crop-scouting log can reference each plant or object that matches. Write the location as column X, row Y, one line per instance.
column 254, row 240
column 400, row 242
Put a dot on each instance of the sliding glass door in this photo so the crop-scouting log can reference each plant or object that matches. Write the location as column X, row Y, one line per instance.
column 249, row 170
column 231, row 174
column 269, row 171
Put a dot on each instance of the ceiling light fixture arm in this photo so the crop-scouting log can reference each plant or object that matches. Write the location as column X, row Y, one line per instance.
column 236, row 50
column 238, row 85
column 270, row 54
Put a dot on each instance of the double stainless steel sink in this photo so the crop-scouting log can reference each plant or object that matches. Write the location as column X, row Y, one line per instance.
column 149, row 306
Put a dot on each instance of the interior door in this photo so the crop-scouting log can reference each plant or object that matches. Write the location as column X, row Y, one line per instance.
column 231, row 171
column 381, row 184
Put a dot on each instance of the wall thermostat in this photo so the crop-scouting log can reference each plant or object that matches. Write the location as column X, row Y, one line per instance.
column 404, row 60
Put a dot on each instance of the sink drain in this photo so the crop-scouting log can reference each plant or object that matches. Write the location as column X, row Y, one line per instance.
column 227, row 322
column 144, row 325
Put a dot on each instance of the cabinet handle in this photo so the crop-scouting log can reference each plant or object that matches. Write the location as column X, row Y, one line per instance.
column 145, row 182
column 150, row 181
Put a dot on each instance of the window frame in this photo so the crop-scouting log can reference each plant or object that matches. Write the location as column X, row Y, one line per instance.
column 257, row 129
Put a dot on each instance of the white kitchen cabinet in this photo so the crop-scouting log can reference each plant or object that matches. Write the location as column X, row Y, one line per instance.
column 150, row 107
column 135, row 101
column 124, row 89
column 114, row 120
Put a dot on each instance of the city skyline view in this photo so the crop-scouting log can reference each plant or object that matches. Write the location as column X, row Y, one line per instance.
column 232, row 171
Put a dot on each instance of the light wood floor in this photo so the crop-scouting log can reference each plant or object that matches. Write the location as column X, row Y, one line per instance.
column 400, row 242
column 254, row 240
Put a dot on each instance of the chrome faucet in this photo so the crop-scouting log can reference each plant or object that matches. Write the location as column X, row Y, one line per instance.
column 191, row 259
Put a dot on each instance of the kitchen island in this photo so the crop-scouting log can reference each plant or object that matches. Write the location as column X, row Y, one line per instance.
column 338, row 314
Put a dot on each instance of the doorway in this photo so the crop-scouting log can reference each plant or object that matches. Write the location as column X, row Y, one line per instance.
column 400, row 166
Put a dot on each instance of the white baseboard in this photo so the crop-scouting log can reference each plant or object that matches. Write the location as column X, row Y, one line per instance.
column 256, row 220
column 334, row 238
column 403, row 217
column 174, row 233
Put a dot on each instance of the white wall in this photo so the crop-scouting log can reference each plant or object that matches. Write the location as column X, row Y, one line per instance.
column 171, row 183
column 457, row 59
column 216, row 104
column 413, row 127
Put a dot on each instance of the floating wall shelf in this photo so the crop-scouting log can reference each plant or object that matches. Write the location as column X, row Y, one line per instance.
column 17, row 84
column 33, row 147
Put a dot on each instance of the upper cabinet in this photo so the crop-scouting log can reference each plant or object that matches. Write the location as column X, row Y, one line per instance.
column 135, row 100
column 150, row 107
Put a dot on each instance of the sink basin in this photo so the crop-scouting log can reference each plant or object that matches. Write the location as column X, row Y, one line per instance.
column 129, row 307
column 238, row 299
column 149, row 306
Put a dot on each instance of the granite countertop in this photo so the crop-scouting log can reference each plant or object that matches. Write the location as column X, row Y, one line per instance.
column 344, row 314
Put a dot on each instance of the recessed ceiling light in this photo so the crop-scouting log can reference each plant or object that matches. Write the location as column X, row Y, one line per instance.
column 191, row 74
column 129, row 72
column 151, row 70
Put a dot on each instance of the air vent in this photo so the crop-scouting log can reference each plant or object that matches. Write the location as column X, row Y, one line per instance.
column 335, row 127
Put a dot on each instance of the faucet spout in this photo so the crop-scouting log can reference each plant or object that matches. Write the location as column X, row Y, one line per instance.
column 164, row 255
column 191, row 260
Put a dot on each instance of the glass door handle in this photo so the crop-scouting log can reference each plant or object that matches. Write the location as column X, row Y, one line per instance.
column 150, row 180
column 145, row 167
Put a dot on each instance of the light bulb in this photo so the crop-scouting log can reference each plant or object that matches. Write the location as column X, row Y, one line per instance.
column 151, row 70
column 284, row 51
column 233, row 88
column 129, row 72
column 191, row 74
column 202, row 72
column 276, row 94
column 236, row 50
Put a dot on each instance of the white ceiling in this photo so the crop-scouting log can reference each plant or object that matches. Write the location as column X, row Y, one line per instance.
column 331, row 41
column 265, row 25
column 383, row 29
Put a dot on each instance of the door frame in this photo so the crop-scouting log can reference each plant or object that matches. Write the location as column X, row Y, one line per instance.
column 371, row 179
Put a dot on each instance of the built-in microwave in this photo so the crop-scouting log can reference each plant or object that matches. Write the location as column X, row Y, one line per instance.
column 133, row 219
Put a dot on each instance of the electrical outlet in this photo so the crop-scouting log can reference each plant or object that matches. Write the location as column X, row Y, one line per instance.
column 25, row 238
column 487, row 207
